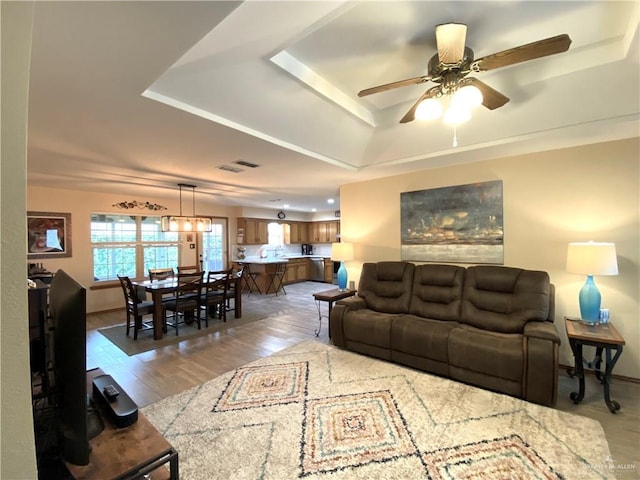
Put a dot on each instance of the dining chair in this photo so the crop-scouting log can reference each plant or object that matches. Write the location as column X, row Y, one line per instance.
column 214, row 298
column 235, row 281
column 189, row 269
column 136, row 309
column 185, row 306
column 160, row 273
column 276, row 278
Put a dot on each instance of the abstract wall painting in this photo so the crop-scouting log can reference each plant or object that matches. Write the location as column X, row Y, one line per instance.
column 458, row 224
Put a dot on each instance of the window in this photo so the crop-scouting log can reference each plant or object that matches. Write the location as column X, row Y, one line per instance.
column 130, row 245
column 214, row 247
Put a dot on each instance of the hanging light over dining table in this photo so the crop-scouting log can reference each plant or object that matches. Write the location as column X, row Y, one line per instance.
column 182, row 223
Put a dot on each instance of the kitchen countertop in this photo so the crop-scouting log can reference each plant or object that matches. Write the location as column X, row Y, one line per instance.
column 266, row 260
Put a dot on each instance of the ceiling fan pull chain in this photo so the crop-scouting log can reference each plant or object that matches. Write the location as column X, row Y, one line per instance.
column 455, row 136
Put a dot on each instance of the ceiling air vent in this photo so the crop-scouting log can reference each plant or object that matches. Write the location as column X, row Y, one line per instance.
column 227, row 168
column 244, row 163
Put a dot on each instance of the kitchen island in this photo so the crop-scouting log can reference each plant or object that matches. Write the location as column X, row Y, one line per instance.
column 262, row 270
column 300, row 268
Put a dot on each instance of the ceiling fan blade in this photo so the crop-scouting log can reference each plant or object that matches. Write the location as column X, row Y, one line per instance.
column 450, row 39
column 491, row 98
column 411, row 114
column 523, row 53
column 392, row 85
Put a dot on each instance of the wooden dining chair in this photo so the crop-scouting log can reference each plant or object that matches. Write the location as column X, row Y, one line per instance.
column 136, row 309
column 276, row 278
column 214, row 297
column 235, row 281
column 189, row 269
column 160, row 273
column 185, row 306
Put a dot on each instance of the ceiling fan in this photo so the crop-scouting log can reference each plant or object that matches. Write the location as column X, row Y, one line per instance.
column 454, row 61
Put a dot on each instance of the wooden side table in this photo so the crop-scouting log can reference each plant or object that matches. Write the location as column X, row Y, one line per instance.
column 603, row 336
column 127, row 453
column 329, row 296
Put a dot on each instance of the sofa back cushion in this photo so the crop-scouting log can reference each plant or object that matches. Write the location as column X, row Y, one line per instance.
column 504, row 299
column 437, row 291
column 386, row 286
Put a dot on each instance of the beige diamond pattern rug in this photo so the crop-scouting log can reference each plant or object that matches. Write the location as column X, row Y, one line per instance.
column 315, row 411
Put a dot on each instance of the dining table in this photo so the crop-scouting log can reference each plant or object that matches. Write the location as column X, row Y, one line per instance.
column 159, row 288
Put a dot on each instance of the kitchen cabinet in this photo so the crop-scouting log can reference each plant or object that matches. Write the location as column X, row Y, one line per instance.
column 297, row 270
column 324, row 232
column 253, row 231
column 328, row 270
column 298, row 232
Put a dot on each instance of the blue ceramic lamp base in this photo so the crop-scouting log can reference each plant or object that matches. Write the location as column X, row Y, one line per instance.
column 342, row 277
column 590, row 299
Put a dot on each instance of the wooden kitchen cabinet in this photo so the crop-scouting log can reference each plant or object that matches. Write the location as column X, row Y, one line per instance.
column 297, row 270
column 324, row 232
column 254, row 231
column 328, row 270
column 298, row 232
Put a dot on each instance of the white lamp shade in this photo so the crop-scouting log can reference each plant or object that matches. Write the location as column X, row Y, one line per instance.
column 456, row 115
column 428, row 109
column 467, row 97
column 592, row 258
column 342, row 252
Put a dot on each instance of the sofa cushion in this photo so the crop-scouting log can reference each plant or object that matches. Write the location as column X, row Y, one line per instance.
column 386, row 286
column 504, row 299
column 437, row 291
column 368, row 327
column 497, row 354
column 422, row 337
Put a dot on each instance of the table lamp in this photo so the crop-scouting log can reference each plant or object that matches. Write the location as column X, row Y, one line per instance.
column 591, row 258
column 342, row 252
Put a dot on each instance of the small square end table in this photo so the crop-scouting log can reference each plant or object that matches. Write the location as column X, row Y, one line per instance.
column 329, row 296
column 603, row 336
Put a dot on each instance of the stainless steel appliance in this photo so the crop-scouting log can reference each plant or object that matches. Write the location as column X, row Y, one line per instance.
column 307, row 249
column 317, row 269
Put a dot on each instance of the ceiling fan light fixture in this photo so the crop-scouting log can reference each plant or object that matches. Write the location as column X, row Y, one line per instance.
column 456, row 115
column 429, row 109
column 467, row 97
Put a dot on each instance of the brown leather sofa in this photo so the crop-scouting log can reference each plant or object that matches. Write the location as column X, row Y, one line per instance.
column 489, row 326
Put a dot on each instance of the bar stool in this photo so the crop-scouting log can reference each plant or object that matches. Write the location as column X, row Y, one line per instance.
column 277, row 278
column 250, row 279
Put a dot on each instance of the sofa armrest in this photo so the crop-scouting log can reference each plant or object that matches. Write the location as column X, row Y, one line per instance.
column 541, row 344
column 354, row 303
column 339, row 310
column 542, row 330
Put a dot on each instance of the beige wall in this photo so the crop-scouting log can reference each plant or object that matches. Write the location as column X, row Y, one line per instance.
column 550, row 199
column 17, row 451
column 81, row 204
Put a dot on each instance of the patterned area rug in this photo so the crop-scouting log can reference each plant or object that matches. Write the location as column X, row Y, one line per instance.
column 117, row 334
column 315, row 411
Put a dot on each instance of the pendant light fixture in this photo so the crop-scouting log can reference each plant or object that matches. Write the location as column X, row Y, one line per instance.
column 194, row 223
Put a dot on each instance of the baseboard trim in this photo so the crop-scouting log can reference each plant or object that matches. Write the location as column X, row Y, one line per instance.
column 589, row 371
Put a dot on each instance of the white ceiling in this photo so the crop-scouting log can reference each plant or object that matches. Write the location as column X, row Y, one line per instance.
column 135, row 97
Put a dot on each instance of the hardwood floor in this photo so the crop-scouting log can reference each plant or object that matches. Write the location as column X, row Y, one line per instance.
column 291, row 318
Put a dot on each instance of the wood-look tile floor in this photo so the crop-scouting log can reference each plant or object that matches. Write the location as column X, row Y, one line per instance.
column 292, row 318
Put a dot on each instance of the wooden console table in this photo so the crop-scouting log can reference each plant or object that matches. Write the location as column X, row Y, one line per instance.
column 127, row 453
column 329, row 296
column 603, row 336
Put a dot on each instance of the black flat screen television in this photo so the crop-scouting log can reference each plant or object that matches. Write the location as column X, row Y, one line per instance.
column 68, row 345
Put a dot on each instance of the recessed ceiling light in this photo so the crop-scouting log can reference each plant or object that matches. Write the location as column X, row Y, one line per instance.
column 330, row 201
column 285, row 206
